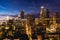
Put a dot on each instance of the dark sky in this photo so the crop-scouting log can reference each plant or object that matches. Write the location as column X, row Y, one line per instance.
column 13, row 7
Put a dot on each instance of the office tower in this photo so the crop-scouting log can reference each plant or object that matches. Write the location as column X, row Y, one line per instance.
column 56, row 17
column 54, row 20
column 42, row 12
column 22, row 14
column 47, row 12
column 29, row 19
column 42, row 16
column 47, row 16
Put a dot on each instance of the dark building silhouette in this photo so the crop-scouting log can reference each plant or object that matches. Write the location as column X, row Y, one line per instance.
column 47, row 13
column 47, row 16
column 22, row 14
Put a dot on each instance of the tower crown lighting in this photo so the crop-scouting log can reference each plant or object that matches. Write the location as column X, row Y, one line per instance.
column 42, row 6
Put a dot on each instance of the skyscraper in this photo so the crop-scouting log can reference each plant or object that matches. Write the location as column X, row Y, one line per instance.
column 47, row 16
column 47, row 13
column 42, row 15
column 29, row 19
column 42, row 12
column 56, row 17
column 22, row 14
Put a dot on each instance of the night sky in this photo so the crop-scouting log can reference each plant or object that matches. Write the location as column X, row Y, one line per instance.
column 13, row 7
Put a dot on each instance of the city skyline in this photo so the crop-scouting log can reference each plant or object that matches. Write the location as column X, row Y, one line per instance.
column 13, row 7
column 29, row 20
